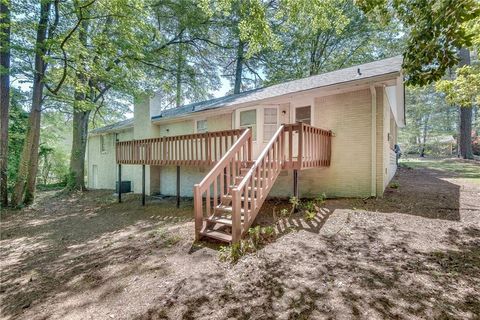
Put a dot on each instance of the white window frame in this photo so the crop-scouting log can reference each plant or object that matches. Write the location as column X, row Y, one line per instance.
column 254, row 130
column 303, row 106
column 196, row 125
column 277, row 120
column 103, row 145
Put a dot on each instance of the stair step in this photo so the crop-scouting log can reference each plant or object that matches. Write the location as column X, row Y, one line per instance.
column 229, row 197
column 249, row 188
column 215, row 234
column 240, row 178
column 224, row 219
column 221, row 220
column 226, row 209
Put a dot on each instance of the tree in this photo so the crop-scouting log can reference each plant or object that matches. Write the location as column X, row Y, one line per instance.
column 437, row 38
column 430, row 119
column 18, row 122
column 187, row 55
column 435, row 32
column 25, row 184
column 4, row 96
column 102, row 50
column 341, row 36
column 246, row 30
column 464, row 90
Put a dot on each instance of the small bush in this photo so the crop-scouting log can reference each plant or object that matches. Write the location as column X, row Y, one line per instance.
column 320, row 199
column 235, row 251
column 295, row 202
column 284, row 213
column 310, row 215
column 309, row 206
column 257, row 236
column 394, row 185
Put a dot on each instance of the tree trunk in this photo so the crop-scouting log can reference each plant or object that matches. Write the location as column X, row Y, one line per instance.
column 424, row 136
column 27, row 172
column 178, row 89
column 4, row 97
column 239, row 67
column 466, row 151
column 79, row 146
column 465, row 134
column 80, row 123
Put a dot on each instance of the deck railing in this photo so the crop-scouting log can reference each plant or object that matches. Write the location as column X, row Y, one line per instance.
column 190, row 149
column 304, row 146
column 215, row 186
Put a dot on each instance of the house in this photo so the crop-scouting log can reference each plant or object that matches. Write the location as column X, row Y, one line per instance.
column 331, row 133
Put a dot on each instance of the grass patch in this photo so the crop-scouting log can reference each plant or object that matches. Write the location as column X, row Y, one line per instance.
column 467, row 170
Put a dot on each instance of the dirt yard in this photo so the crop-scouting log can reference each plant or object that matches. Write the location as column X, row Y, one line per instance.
column 413, row 254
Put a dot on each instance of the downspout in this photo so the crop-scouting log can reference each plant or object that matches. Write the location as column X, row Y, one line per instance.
column 373, row 178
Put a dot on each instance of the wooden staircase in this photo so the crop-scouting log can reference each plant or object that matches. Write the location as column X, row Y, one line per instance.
column 240, row 186
column 230, row 196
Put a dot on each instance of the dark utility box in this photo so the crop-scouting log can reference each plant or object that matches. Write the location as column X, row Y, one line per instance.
column 126, row 187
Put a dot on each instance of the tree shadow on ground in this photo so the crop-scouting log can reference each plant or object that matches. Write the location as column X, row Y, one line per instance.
column 363, row 279
column 65, row 248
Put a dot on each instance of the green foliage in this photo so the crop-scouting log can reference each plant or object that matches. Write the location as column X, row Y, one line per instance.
column 436, row 29
column 284, row 213
column 235, row 251
column 295, row 202
column 18, row 122
column 431, row 123
column 394, row 185
column 464, row 90
column 309, row 215
column 257, row 236
column 320, row 199
column 321, row 36
column 309, row 206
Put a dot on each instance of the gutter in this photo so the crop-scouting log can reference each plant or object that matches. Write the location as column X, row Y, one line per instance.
column 373, row 177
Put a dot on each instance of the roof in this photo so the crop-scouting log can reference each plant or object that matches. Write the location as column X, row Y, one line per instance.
column 118, row 126
column 355, row 73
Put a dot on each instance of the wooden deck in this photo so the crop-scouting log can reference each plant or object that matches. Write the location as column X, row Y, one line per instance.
column 206, row 149
column 230, row 196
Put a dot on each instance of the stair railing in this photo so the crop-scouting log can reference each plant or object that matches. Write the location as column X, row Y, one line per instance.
column 249, row 195
column 214, row 187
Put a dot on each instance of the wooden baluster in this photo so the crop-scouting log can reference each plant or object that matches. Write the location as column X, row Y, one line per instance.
column 207, row 199
column 236, row 220
column 222, row 184
column 228, row 176
column 216, row 148
column 215, row 192
column 192, row 156
column 198, row 209
column 226, row 143
column 290, row 147
column 197, row 162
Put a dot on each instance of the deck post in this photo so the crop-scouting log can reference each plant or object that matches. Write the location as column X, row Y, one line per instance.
column 295, row 183
column 119, row 183
column 178, row 186
column 143, row 185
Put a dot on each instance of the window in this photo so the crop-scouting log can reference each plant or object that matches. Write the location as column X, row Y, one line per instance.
column 102, row 144
column 201, row 126
column 303, row 114
column 269, row 123
column 248, row 119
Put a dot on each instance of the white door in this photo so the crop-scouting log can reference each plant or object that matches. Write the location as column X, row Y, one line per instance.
column 95, row 176
column 263, row 121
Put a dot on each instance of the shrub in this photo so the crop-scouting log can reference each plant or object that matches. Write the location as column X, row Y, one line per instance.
column 310, row 215
column 394, row 185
